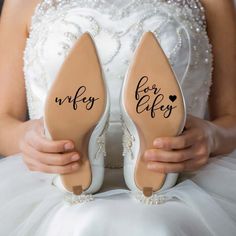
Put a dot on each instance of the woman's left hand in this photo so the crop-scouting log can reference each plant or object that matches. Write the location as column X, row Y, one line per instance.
column 187, row 152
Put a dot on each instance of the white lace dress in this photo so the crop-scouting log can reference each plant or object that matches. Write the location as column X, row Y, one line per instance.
column 202, row 203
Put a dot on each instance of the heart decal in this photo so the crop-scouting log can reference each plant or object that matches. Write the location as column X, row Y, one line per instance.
column 172, row 98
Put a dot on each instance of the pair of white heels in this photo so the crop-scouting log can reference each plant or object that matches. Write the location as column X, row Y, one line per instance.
column 77, row 109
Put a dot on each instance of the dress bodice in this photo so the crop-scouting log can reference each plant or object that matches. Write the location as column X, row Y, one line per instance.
column 116, row 27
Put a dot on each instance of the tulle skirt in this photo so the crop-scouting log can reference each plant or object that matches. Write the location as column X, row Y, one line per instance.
column 202, row 203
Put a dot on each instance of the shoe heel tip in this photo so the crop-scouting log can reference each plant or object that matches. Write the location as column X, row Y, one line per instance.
column 147, row 191
column 77, row 190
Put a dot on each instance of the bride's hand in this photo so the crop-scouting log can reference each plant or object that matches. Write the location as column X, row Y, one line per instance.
column 187, row 152
column 43, row 155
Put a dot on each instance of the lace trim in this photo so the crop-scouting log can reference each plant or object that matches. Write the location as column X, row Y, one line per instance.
column 73, row 199
column 127, row 141
column 193, row 7
column 190, row 12
column 101, row 141
column 155, row 199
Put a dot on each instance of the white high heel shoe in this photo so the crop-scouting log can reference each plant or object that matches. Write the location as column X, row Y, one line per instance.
column 152, row 106
column 77, row 109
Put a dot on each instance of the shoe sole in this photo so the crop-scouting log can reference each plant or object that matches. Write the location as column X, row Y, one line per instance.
column 74, row 106
column 154, row 101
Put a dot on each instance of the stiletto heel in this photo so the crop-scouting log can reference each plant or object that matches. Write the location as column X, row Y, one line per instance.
column 152, row 106
column 76, row 109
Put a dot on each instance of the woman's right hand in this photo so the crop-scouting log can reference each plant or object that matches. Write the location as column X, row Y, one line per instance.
column 44, row 155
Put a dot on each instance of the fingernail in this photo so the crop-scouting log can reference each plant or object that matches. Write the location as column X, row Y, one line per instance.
column 75, row 157
column 68, row 146
column 75, row 166
column 158, row 143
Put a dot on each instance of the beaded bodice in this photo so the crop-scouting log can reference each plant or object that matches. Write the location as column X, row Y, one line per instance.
column 117, row 26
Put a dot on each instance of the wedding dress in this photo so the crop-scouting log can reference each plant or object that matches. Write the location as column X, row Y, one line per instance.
column 202, row 203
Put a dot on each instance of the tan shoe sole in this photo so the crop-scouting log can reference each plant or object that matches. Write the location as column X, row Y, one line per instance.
column 75, row 104
column 154, row 101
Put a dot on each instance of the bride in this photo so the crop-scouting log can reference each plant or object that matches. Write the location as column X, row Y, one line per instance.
column 199, row 39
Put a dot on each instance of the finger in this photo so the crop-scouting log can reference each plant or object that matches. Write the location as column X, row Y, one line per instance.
column 166, row 168
column 49, row 146
column 187, row 139
column 185, row 166
column 52, row 158
column 58, row 169
column 58, row 159
column 30, row 163
column 35, row 165
column 169, row 156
